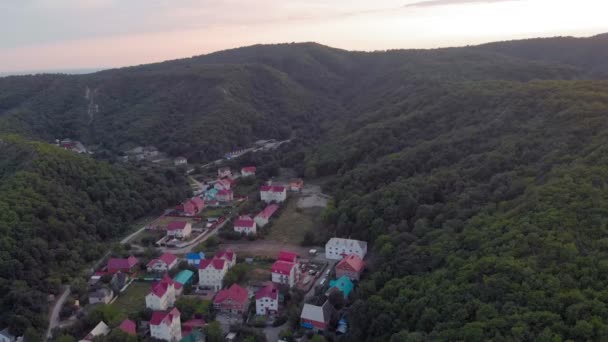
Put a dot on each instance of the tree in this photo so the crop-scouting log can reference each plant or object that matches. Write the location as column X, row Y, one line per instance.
column 213, row 332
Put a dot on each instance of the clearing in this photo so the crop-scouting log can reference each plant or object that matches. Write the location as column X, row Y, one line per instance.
column 263, row 248
column 133, row 299
column 293, row 222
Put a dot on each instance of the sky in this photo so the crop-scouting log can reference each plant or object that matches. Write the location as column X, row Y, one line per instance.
column 46, row 35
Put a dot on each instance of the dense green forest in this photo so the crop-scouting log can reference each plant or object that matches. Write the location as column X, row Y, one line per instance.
column 477, row 174
column 58, row 210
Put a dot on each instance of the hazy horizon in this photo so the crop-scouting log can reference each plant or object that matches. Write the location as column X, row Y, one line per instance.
column 57, row 35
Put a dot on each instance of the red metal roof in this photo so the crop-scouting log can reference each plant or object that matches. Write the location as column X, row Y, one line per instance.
column 218, row 264
column 287, row 256
column 249, row 169
column 235, row 293
column 187, row 207
column 128, row 326
column 177, row 225
column 272, row 188
column 268, row 211
column 224, row 192
column 351, row 263
column 269, row 291
column 198, row 203
column 122, row 264
column 282, row 267
column 244, row 221
column 159, row 316
column 226, row 254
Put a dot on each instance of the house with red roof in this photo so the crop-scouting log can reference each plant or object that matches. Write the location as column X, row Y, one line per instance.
column 264, row 216
column 245, row 224
column 179, row 229
column 351, row 266
column 285, row 269
column 163, row 294
column 166, row 325
column 267, row 300
column 128, row 326
column 224, row 184
column 273, row 193
column 224, row 172
column 122, row 265
column 186, row 208
column 225, row 195
column 235, row 299
column 226, row 254
column 211, row 273
column 296, row 184
column 163, row 263
column 198, row 203
column 248, row 171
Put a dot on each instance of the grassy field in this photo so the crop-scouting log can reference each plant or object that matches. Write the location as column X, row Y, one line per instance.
column 133, row 299
column 292, row 224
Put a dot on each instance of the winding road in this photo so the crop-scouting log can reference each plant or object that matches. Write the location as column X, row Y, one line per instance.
column 54, row 318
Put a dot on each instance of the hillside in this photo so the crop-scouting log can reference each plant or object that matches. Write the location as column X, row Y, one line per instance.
column 58, row 210
column 477, row 174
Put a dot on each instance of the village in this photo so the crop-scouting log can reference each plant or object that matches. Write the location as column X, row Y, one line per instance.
column 227, row 262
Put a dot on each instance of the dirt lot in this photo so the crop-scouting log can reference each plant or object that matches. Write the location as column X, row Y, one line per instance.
column 291, row 225
column 312, row 197
column 263, row 248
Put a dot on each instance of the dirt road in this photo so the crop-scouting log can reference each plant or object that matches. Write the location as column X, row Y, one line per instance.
column 54, row 318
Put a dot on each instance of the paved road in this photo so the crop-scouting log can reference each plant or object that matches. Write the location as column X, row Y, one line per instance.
column 54, row 319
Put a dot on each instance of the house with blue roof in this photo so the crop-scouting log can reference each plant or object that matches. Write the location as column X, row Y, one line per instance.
column 342, row 284
column 184, row 277
column 195, row 258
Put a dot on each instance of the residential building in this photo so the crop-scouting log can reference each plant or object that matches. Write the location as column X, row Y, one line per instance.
column 128, row 326
column 163, row 263
column 296, row 184
column 122, row 265
column 223, row 184
column 101, row 329
column 166, row 325
column 193, row 325
column 267, row 300
column 211, row 273
column 285, row 269
column 187, row 208
column 184, row 277
column 235, row 299
column 273, row 193
column 102, row 295
column 338, row 248
column 264, row 216
column 342, row 284
column 179, row 229
column 224, row 195
column 195, row 258
column 316, row 317
column 180, row 161
column 224, row 172
column 198, row 204
column 226, row 254
column 248, row 171
column 351, row 266
column 162, row 295
column 245, row 224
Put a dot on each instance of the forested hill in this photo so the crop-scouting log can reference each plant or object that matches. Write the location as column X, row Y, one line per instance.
column 58, row 210
column 203, row 106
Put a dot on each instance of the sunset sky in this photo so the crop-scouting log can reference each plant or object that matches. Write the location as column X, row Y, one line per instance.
column 70, row 34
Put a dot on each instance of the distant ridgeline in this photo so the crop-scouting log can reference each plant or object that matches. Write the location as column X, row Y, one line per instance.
column 478, row 175
column 58, row 210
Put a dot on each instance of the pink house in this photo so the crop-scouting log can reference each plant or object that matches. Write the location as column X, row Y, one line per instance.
column 187, row 208
column 224, row 195
column 351, row 266
column 128, row 326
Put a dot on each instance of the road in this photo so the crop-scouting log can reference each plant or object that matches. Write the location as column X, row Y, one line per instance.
column 125, row 240
column 54, row 318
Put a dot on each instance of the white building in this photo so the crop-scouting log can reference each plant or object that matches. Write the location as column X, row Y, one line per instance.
column 273, row 193
column 267, row 300
column 285, row 269
column 338, row 248
column 166, row 326
column 179, row 229
column 162, row 296
column 163, row 263
column 264, row 216
column 180, row 161
column 245, row 224
column 211, row 273
column 101, row 329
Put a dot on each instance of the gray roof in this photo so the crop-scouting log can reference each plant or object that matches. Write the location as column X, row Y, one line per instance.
column 347, row 242
column 316, row 313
